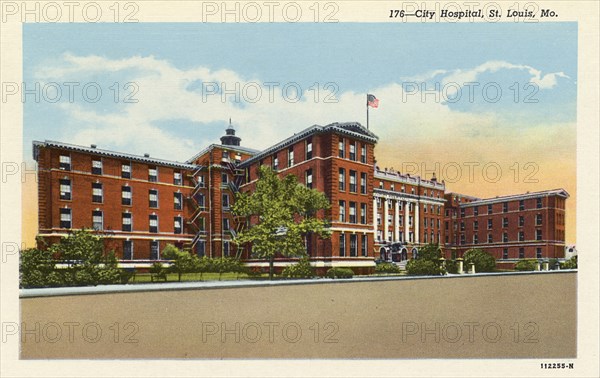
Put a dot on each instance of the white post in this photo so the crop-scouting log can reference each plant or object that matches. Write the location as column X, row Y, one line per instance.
column 396, row 221
column 416, row 222
column 384, row 219
column 406, row 217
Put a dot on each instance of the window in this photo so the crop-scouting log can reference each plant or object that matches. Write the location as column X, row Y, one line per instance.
column 462, row 239
column 177, row 225
column 505, row 207
column 352, row 212
column 462, row 226
column 505, row 253
column 363, row 154
column 309, row 150
column 378, row 219
column 224, row 178
column 65, row 218
column 505, row 222
column 290, row 156
column 521, row 236
column 363, row 213
column 342, row 211
column 363, row 245
column 363, row 183
column 126, row 222
column 538, row 219
column 353, row 245
column 505, row 237
column 490, row 238
column 538, row 253
column 153, row 198
column 410, row 220
column 177, row 201
column 475, row 239
column 353, row 181
column 152, row 174
column 177, row 178
column 154, row 252
column 342, row 245
column 97, row 221
column 462, row 212
column 447, row 225
column 126, row 195
column 226, row 248
column 521, row 253
column 200, row 179
column 342, row 179
column 353, row 151
column 65, row 162
column 126, row 171
column 490, row 224
column 538, row 203
column 226, row 224
column 153, row 223
column 476, row 210
column 275, row 163
column 489, row 209
column 200, row 248
column 521, row 221
column 538, row 234
column 225, row 199
column 225, row 155
column 96, row 167
column 65, row 189
column 127, row 250
column 475, row 225
column 308, row 178
column 521, row 205
column 97, row 192
column 342, row 148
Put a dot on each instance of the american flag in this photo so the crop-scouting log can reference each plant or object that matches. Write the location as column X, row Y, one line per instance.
column 372, row 101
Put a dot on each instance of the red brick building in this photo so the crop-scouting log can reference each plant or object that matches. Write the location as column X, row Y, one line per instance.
column 139, row 203
column 522, row 226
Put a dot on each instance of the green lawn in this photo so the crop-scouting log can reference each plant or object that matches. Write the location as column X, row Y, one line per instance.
column 190, row 277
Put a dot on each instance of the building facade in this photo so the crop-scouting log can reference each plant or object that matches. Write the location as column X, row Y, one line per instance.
column 139, row 204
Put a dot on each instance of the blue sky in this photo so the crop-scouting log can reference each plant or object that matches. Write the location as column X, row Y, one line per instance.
column 168, row 61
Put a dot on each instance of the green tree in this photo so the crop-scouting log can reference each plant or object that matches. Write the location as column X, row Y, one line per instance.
column 570, row 264
column 181, row 261
column 430, row 252
column 286, row 215
column 82, row 253
column 36, row 269
column 484, row 262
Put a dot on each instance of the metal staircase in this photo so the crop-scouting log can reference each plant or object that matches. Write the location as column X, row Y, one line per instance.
column 197, row 201
column 234, row 185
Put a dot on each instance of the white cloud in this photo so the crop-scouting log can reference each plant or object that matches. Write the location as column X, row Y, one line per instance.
column 165, row 94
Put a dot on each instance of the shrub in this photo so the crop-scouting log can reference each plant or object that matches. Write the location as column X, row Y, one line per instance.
column 387, row 267
column 526, row 265
column 302, row 269
column 552, row 264
column 158, row 272
column 339, row 273
column 431, row 252
column 570, row 264
column 423, row 268
column 452, row 266
column 484, row 262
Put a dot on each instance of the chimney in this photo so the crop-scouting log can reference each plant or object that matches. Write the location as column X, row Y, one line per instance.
column 93, row 146
column 146, row 155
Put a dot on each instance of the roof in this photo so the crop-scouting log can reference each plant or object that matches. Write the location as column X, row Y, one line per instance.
column 101, row 152
column 353, row 129
column 407, row 179
column 544, row 193
column 246, row 150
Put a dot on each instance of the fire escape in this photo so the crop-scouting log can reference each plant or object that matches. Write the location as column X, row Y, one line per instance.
column 197, row 201
column 234, row 185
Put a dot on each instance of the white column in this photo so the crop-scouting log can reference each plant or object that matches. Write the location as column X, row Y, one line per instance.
column 375, row 217
column 416, row 222
column 384, row 219
column 406, row 217
column 396, row 220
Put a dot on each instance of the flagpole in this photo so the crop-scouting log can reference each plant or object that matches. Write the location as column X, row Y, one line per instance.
column 367, row 111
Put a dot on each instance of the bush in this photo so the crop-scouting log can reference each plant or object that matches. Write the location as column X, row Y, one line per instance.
column 484, row 262
column 158, row 272
column 387, row 267
column 431, row 252
column 526, row 265
column 423, row 268
column 452, row 266
column 570, row 264
column 339, row 273
column 302, row 269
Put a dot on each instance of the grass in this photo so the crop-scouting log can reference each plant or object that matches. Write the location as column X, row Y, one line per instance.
column 140, row 278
